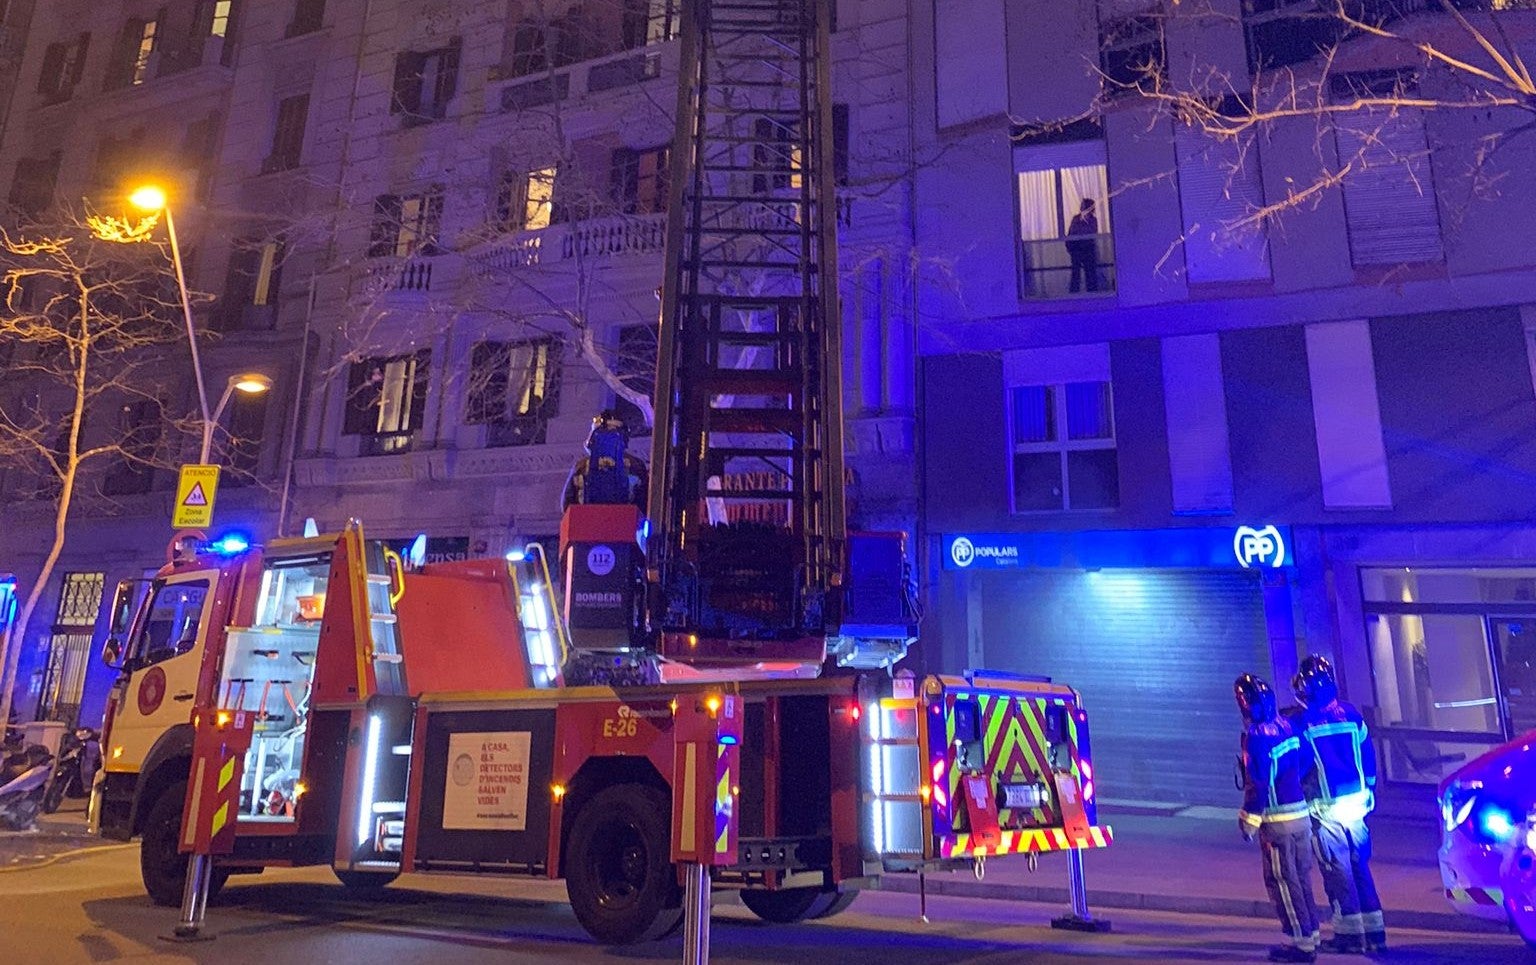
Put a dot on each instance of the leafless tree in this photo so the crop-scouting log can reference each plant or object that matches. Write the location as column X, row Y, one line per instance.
column 83, row 331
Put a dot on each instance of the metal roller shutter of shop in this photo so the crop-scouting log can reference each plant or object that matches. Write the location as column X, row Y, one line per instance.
column 1153, row 653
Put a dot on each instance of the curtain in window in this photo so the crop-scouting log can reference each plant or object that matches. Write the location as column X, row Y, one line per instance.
column 1088, row 412
column 1085, row 181
column 1033, row 419
column 1039, row 217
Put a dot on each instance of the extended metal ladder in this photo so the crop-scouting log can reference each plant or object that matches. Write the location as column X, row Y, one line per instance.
column 747, row 469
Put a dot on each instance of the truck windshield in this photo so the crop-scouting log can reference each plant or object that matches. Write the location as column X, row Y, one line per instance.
column 171, row 627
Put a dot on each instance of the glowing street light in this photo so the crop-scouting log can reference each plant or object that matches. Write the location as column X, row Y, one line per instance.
column 148, row 198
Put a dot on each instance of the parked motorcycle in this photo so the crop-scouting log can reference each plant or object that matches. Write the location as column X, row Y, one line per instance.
column 25, row 773
column 79, row 759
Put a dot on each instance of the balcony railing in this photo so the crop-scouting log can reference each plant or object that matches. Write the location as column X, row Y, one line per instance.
column 385, row 443
column 624, row 69
column 1059, row 268
column 591, row 238
column 399, row 275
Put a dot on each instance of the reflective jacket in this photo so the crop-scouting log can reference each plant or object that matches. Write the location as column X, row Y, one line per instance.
column 1272, row 768
column 1341, row 774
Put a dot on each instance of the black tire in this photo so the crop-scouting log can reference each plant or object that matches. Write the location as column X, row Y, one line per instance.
column 364, row 880
column 618, row 866
column 844, row 899
column 789, row 905
column 55, row 795
column 161, row 864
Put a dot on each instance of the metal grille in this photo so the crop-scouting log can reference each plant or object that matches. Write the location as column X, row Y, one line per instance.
column 69, row 647
column 747, row 455
column 80, row 599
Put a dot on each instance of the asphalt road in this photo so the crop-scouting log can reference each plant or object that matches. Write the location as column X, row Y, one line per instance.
column 90, row 909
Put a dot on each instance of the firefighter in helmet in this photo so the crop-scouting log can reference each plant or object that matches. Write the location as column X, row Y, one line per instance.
column 1275, row 810
column 1340, row 786
column 608, row 473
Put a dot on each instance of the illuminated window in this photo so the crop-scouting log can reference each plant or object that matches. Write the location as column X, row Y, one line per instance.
column 405, row 225
column 514, row 390
column 525, row 199
column 146, row 48
column 1063, row 439
column 387, row 401
column 1064, row 226
column 640, row 180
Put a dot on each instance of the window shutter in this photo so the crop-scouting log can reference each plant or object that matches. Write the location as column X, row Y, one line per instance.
column 623, row 178
column 419, row 375
column 1196, row 409
column 77, row 65
column 386, row 225
column 51, row 79
column 362, row 403
column 1346, row 412
column 407, row 89
column 447, row 74
column 1219, row 185
column 1389, row 195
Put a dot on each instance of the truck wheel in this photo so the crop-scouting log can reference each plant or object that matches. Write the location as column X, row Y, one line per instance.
column 618, row 866
column 161, row 864
column 364, row 880
column 789, row 905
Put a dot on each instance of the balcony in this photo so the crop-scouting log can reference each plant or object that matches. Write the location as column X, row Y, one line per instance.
column 410, row 277
column 1047, row 269
column 613, row 72
column 641, row 234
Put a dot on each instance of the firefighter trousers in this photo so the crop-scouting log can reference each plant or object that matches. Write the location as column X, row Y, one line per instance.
column 1287, row 851
column 1344, row 855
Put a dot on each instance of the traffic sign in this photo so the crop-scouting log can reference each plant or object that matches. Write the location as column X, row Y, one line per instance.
column 194, row 497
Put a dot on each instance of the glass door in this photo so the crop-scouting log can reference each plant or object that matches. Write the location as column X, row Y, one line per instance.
column 1514, row 647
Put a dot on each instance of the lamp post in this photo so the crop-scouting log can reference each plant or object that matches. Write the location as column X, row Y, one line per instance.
column 249, row 383
column 152, row 198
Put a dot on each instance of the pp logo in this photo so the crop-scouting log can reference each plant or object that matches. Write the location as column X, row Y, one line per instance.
column 600, row 560
column 1258, row 548
column 962, row 551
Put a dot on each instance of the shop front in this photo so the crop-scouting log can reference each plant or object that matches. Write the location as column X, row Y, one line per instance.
column 1151, row 627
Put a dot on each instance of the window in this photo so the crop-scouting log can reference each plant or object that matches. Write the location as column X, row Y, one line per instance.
column 406, row 224
column 1220, row 186
column 200, row 147
column 524, row 199
column 1389, row 197
column 640, row 179
column 425, row 82
column 635, row 365
column 287, row 134
column 1064, row 224
column 575, row 36
column 171, row 628
column 131, row 58
column 63, row 65
column 33, row 187
column 247, row 426
column 649, row 22
column 776, row 155
column 138, row 435
column 387, row 401
column 1280, row 33
column 217, row 14
column 307, row 17
column 840, row 137
column 1131, row 52
column 252, row 285
column 1063, row 447
column 70, row 645
column 514, row 390
column 528, row 52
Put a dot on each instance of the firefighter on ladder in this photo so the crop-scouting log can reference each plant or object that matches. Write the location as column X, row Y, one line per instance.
column 608, row 473
column 1340, row 788
column 1275, row 810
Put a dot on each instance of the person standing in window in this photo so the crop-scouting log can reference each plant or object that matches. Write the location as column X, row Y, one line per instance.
column 1083, row 247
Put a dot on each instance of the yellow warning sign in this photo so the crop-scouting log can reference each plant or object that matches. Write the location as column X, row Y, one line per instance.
column 194, row 497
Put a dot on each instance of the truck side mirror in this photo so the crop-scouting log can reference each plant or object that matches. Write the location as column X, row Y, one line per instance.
column 112, row 653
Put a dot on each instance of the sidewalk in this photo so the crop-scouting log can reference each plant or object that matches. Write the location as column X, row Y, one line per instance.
column 54, row 835
column 1194, row 861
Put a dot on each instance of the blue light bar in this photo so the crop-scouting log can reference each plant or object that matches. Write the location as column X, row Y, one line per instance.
column 230, row 544
column 728, row 739
column 516, row 554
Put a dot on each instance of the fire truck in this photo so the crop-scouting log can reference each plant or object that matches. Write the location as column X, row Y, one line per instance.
column 512, row 717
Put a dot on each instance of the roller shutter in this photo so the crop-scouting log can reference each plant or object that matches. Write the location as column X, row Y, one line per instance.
column 1153, row 653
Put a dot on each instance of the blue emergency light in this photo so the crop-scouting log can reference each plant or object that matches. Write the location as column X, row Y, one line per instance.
column 230, row 544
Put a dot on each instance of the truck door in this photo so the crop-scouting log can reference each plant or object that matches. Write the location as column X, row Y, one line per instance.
column 163, row 659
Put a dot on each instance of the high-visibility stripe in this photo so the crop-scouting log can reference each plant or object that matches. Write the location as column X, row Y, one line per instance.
column 227, row 774
column 220, row 818
column 189, row 834
column 1285, row 893
column 723, row 801
column 688, row 834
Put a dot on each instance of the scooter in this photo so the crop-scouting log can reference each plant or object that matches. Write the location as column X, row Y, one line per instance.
column 79, row 759
column 25, row 774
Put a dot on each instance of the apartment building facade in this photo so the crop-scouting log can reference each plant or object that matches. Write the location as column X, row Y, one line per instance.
column 437, row 227
column 1159, row 450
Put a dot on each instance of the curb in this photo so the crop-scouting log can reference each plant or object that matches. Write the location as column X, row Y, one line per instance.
column 61, row 856
column 965, row 887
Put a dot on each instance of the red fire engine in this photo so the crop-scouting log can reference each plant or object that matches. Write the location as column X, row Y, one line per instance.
column 708, row 682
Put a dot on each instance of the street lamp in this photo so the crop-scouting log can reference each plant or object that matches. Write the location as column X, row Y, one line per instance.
column 248, row 383
column 152, row 198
